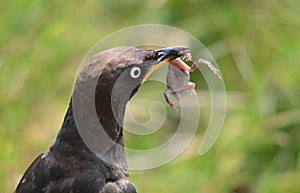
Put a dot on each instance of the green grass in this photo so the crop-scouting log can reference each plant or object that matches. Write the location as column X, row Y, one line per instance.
column 257, row 48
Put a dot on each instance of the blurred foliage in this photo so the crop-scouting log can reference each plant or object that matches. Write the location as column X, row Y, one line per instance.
column 257, row 47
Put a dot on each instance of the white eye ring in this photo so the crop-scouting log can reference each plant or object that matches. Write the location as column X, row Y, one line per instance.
column 135, row 72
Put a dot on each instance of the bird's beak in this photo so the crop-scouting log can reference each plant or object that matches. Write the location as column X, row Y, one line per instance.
column 164, row 55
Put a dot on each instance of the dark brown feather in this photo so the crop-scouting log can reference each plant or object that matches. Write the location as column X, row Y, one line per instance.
column 69, row 165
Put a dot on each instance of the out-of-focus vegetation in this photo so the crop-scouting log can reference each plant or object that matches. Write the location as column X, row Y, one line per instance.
column 257, row 47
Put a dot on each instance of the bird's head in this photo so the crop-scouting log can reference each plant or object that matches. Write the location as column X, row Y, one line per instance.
column 113, row 76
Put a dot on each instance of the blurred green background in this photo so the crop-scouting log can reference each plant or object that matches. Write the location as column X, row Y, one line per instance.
column 257, row 47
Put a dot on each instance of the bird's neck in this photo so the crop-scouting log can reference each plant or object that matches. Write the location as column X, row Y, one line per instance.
column 70, row 136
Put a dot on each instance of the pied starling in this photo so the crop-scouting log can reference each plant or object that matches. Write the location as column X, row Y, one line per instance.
column 69, row 165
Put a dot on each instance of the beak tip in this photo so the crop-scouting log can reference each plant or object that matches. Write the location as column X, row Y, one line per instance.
column 170, row 53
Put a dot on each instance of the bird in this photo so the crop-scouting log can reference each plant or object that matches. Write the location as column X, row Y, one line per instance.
column 70, row 165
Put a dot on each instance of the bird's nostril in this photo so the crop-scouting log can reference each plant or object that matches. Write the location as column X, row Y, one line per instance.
column 160, row 56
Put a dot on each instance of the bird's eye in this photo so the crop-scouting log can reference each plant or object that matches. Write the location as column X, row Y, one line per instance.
column 135, row 72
